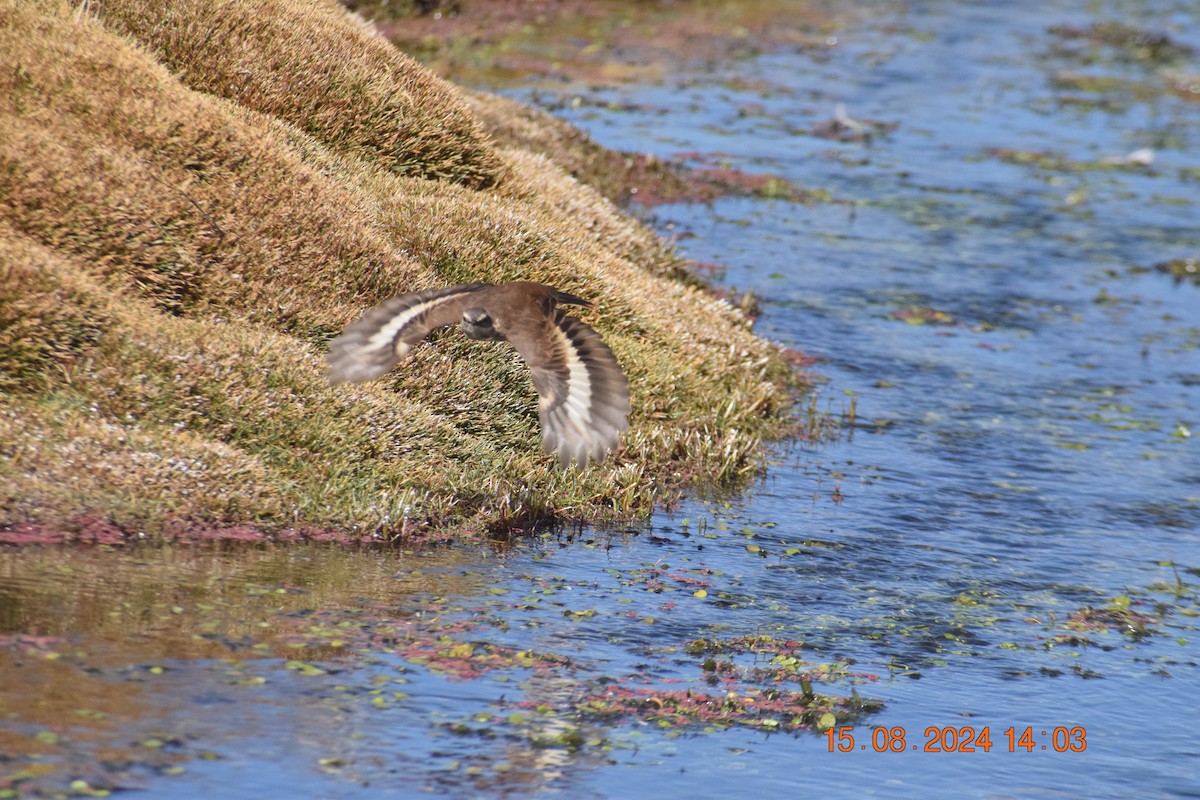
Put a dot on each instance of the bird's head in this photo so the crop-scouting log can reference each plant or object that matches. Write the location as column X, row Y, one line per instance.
column 477, row 324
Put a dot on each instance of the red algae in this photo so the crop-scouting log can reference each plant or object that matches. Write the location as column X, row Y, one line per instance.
column 93, row 530
column 27, row 534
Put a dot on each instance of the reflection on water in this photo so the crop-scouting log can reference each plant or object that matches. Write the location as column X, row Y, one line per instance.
column 121, row 665
column 1005, row 537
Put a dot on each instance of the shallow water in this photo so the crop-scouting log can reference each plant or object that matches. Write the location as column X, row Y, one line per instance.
column 1006, row 536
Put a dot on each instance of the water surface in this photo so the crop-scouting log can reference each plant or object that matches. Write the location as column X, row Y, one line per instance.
column 1005, row 536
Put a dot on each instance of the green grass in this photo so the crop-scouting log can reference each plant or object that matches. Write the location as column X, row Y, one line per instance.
column 179, row 243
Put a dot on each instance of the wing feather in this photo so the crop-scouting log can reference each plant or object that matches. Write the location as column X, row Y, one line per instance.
column 386, row 334
column 583, row 394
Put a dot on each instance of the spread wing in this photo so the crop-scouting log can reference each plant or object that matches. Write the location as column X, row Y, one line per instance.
column 387, row 333
column 583, row 395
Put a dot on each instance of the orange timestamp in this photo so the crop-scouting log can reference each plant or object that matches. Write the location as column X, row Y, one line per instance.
column 964, row 739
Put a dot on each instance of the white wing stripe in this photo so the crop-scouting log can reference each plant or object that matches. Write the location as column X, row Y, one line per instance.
column 579, row 387
column 384, row 336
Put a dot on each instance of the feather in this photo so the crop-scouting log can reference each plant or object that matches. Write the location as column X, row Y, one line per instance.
column 583, row 394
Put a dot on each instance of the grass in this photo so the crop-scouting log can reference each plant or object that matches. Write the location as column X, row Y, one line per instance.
column 188, row 218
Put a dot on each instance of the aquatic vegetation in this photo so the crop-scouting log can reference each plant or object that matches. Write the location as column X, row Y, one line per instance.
column 922, row 315
column 495, row 44
column 769, row 710
column 1054, row 162
column 1120, row 40
column 1158, row 611
column 845, row 128
column 358, row 633
column 1181, row 269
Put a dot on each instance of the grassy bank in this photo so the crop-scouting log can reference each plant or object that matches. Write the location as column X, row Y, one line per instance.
column 194, row 201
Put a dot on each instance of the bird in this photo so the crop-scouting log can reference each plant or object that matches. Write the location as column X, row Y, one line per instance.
column 583, row 394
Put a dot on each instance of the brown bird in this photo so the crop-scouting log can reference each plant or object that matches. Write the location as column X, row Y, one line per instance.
column 583, row 395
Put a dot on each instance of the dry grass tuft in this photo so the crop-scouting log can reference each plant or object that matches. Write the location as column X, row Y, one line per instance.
column 308, row 64
column 187, row 218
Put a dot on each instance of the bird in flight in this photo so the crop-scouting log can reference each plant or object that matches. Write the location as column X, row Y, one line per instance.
column 583, row 394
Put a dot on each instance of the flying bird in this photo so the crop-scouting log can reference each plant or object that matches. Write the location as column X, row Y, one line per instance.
column 583, row 395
